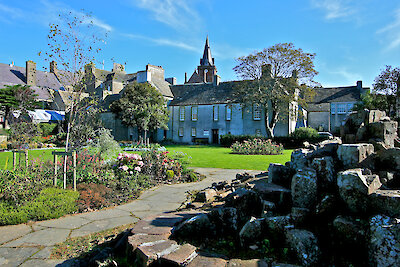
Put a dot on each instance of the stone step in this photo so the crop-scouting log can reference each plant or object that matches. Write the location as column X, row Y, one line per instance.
column 204, row 261
column 247, row 263
column 147, row 253
column 180, row 257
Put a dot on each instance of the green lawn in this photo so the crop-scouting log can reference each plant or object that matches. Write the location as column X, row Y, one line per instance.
column 43, row 154
column 220, row 157
column 201, row 156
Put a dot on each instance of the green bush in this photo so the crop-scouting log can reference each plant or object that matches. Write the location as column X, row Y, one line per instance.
column 106, row 146
column 51, row 203
column 257, row 147
column 228, row 140
column 48, row 128
column 305, row 133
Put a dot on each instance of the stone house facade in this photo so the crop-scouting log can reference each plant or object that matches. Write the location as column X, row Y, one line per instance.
column 331, row 106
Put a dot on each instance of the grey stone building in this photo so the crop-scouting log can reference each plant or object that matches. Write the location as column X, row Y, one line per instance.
column 331, row 106
column 204, row 108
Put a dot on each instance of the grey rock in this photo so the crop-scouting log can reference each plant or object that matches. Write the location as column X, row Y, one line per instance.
column 385, row 131
column 196, row 227
column 348, row 231
column 352, row 155
column 386, row 202
column 225, row 219
column 305, row 245
column 384, row 242
column 251, row 231
column 304, row 188
column 206, row 195
column 325, row 172
column 299, row 216
column 279, row 174
column 299, row 158
column 354, row 188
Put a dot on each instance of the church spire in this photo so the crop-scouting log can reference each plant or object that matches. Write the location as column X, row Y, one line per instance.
column 207, row 59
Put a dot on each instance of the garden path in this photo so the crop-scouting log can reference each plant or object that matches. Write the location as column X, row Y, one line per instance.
column 31, row 244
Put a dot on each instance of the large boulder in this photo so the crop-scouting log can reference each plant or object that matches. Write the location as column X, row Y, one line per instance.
column 304, row 188
column 225, row 220
column 389, row 159
column 280, row 174
column 349, row 234
column 385, row 131
column 384, row 243
column 274, row 228
column 251, row 231
column 326, row 148
column 299, row 158
column 280, row 195
column 386, row 202
column 325, row 168
column 352, row 155
column 197, row 227
column 354, row 188
column 247, row 203
column 305, row 246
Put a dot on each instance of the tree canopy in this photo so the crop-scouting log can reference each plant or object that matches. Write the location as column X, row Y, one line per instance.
column 141, row 106
column 388, row 81
column 278, row 78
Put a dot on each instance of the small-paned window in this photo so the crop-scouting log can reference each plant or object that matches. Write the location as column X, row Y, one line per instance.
column 349, row 107
column 206, row 133
column 180, row 131
column 228, row 112
column 341, row 108
column 181, row 113
column 256, row 112
column 215, row 113
column 333, row 108
column 193, row 131
column 194, row 113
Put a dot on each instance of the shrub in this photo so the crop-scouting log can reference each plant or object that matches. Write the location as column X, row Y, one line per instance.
column 257, row 147
column 228, row 139
column 93, row 196
column 305, row 133
column 24, row 134
column 48, row 128
column 51, row 203
column 106, row 146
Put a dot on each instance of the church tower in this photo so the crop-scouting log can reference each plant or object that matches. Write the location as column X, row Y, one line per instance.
column 206, row 70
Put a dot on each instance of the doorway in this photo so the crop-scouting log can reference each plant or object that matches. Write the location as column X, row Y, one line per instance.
column 215, row 136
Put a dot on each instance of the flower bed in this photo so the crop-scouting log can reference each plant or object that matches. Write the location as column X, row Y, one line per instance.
column 257, row 147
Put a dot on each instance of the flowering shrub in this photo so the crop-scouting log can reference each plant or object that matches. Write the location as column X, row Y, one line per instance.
column 129, row 163
column 257, row 147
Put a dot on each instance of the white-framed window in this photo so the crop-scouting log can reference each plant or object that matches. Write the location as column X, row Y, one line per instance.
column 341, row 108
column 258, row 132
column 228, row 112
column 215, row 113
column 181, row 113
column 193, row 131
column 256, row 112
column 333, row 108
column 206, row 133
column 194, row 113
column 180, row 131
column 349, row 107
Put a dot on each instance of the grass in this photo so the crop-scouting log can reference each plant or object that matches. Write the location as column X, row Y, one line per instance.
column 6, row 157
column 220, row 157
column 83, row 246
column 201, row 156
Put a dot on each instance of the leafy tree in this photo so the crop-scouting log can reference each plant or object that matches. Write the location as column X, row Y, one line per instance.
column 388, row 81
column 73, row 42
column 383, row 102
column 279, row 79
column 17, row 97
column 141, row 106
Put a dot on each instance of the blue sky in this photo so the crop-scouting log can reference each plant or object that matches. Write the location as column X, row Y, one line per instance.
column 353, row 40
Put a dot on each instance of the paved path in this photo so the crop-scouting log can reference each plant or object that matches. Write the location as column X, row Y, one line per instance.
column 30, row 245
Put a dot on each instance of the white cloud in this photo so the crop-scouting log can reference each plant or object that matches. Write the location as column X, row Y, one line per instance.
column 10, row 12
column 164, row 42
column 347, row 77
column 392, row 32
column 334, row 9
column 174, row 13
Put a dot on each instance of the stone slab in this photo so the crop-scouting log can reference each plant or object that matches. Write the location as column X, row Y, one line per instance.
column 69, row 222
column 101, row 225
column 202, row 261
column 104, row 214
column 45, row 237
column 8, row 233
column 43, row 254
column 247, row 263
column 43, row 263
column 149, row 252
column 181, row 256
column 15, row 256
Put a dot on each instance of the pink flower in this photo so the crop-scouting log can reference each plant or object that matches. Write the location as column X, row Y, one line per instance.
column 124, row 168
column 137, row 168
column 140, row 163
column 131, row 172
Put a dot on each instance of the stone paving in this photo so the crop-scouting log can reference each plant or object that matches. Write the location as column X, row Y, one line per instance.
column 30, row 245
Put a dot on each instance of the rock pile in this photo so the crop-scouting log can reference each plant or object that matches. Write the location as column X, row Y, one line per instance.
column 333, row 204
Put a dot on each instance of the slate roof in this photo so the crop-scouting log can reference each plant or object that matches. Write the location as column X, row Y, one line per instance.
column 203, row 94
column 162, row 86
column 325, row 96
column 13, row 75
column 195, row 78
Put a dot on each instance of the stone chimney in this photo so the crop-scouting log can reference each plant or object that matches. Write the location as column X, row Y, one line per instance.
column 53, row 67
column 171, row 80
column 186, row 77
column 266, row 70
column 30, row 73
column 216, row 80
column 359, row 85
column 118, row 68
